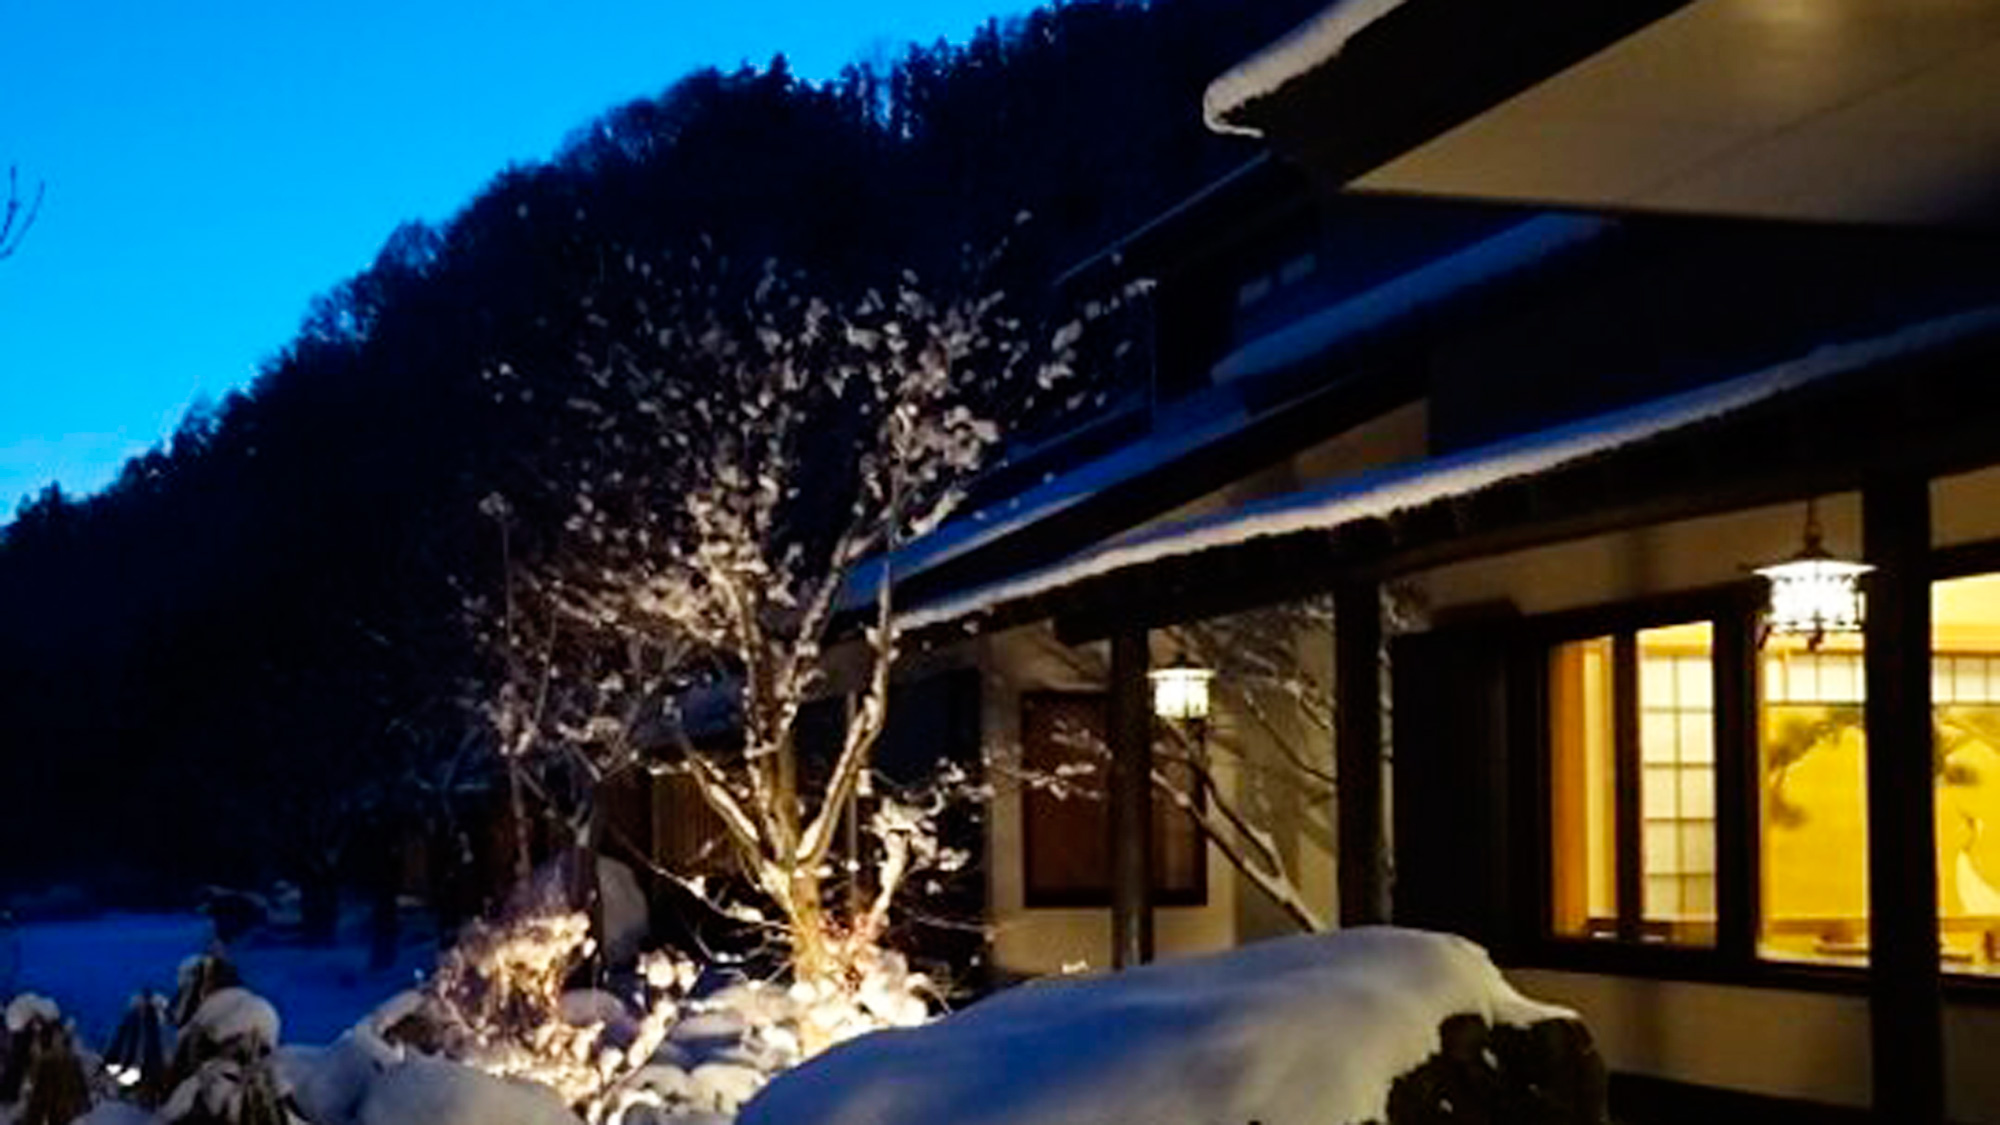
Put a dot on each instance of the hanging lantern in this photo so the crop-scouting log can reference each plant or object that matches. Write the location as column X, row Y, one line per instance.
column 1180, row 691
column 1813, row 593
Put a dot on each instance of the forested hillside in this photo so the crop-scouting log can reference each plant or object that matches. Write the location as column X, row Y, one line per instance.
column 245, row 654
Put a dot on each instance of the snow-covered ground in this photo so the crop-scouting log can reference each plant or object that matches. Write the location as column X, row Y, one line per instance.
column 93, row 966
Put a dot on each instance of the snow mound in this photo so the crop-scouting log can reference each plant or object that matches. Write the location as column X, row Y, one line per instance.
column 114, row 1112
column 236, row 1015
column 328, row 1084
column 1307, row 1029
column 427, row 1091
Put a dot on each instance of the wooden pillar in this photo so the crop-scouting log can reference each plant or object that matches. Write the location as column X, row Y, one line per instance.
column 1130, row 733
column 1357, row 736
column 1906, row 1008
column 1738, row 785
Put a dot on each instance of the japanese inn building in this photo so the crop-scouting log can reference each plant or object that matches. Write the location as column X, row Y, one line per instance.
column 1523, row 337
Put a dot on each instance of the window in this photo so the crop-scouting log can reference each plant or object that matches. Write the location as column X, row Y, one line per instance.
column 1635, row 727
column 1965, row 698
column 1066, row 835
column 1814, row 759
column 1632, row 723
column 1813, row 807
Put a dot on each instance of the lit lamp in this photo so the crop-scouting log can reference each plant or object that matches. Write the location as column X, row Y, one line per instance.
column 1814, row 593
column 1180, row 691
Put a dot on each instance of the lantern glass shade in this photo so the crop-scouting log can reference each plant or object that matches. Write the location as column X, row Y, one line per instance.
column 1180, row 692
column 1814, row 595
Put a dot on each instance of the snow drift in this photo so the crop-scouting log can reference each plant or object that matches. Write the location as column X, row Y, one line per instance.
column 1311, row 1030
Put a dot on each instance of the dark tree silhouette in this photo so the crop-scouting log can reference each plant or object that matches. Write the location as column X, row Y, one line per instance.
column 255, row 639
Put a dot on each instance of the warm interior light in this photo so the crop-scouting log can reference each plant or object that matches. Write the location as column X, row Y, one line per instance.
column 1814, row 594
column 1815, row 597
column 1180, row 691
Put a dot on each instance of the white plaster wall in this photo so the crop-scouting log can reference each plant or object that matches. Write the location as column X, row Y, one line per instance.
column 1684, row 555
column 1046, row 939
column 1805, row 1045
column 1966, row 508
column 1971, row 1076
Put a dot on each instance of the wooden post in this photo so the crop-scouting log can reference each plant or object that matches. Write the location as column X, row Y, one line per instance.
column 1357, row 736
column 1906, row 1008
column 1130, row 733
column 1738, row 787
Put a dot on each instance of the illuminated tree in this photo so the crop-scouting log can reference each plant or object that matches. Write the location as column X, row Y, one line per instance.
column 740, row 446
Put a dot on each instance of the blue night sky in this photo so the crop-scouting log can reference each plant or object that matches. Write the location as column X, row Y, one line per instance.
column 212, row 164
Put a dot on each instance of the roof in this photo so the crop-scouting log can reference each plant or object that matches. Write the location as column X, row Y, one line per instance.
column 1412, row 488
column 1234, row 429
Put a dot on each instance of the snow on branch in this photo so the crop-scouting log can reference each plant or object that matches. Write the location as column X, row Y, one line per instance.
column 732, row 446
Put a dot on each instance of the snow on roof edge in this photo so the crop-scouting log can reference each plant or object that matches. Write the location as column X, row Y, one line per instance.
column 1520, row 246
column 1300, row 50
column 980, row 526
column 1384, row 492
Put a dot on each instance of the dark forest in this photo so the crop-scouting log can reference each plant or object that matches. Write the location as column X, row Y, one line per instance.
column 250, row 654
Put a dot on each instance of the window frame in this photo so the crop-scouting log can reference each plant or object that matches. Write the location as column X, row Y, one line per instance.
column 1733, row 611
column 1036, row 897
column 1730, row 612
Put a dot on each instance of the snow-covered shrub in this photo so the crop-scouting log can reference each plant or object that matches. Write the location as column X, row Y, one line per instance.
column 43, row 1075
column 199, row 977
column 223, row 1072
column 26, row 1014
column 227, row 1091
column 658, row 1044
column 136, row 1060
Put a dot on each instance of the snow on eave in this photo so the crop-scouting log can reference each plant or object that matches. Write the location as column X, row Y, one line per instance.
column 1385, row 492
column 977, row 528
column 1519, row 247
column 1522, row 246
column 1303, row 49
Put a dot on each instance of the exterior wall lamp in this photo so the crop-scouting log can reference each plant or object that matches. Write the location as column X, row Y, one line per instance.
column 1180, row 691
column 1813, row 593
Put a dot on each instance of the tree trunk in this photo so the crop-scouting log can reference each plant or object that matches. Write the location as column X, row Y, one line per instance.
column 815, row 962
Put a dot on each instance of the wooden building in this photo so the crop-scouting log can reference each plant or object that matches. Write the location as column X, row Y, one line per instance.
column 1532, row 333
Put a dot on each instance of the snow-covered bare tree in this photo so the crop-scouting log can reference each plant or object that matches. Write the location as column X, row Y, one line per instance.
column 740, row 446
column 1270, row 784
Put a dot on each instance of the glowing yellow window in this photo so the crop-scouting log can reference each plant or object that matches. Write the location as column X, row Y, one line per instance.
column 1581, row 789
column 1632, row 785
column 1965, row 695
column 1677, row 783
column 1813, row 762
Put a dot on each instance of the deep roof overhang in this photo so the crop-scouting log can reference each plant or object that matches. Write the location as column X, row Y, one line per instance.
column 1419, row 69
column 1816, row 110
column 1820, row 110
